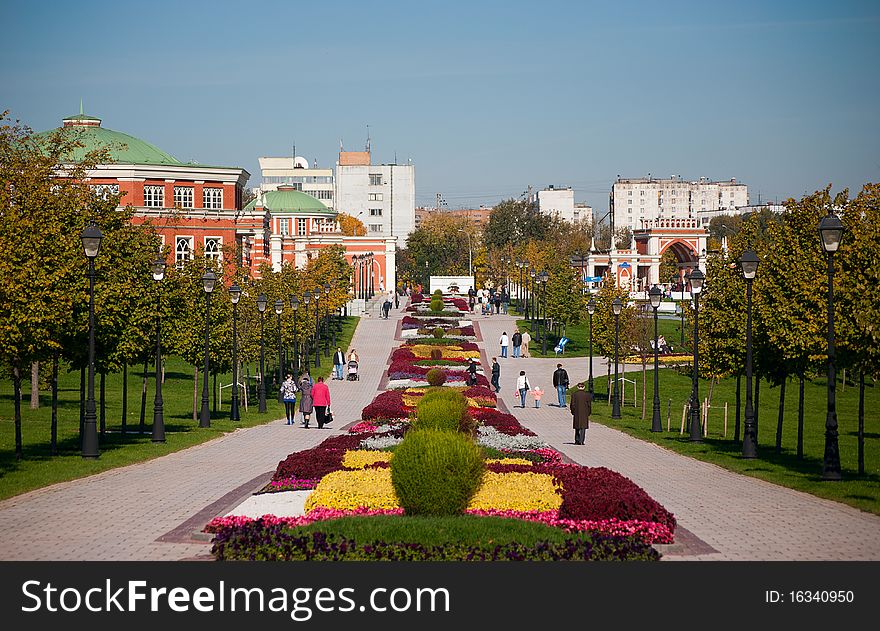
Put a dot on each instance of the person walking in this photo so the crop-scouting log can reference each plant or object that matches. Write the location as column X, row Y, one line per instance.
column 321, row 401
column 560, row 382
column 338, row 363
column 581, row 408
column 496, row 374
column 288, row 395
column 505, row 342
column 353, row 356
column 537, row 393
column 526, row 338
column 522, row 386
column 307, row 403
column 497, row 303
column 386, row 308
column 517, row 342
column 505, row 301
column 472, row 372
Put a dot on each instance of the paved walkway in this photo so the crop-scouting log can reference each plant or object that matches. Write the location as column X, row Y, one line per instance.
column 736, row 517
column 122, row 514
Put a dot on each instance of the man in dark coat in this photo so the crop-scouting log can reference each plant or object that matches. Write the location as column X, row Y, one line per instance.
column 472, row 372
column 496, row 374
column 516, row 340
column 581, row 408
column 560, row 382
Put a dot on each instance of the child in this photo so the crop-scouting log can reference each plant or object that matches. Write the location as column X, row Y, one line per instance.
column 537, row 393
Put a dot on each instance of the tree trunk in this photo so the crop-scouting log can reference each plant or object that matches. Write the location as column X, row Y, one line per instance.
column 757, row 402
column 53, row 445
column 103, row 406
column 124, row 396
column 195, row 394
column 781, row 414
column 862, row 423
column 800, row 439
column 141, row 425
column 35, row 385
column 644, row 389
column 82, row 403
column 738, row 401
column 16, row 397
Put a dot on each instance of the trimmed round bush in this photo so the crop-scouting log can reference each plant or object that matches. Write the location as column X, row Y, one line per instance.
column 436, row 354
column 439, row 332
column 436, row 472
column 439, row 293
column 436, row 377
column 447, row 409
column 436, row 304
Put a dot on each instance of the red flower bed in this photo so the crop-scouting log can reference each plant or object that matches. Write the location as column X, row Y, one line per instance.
column 312, row 463
column 479, row 391
column 504, row 423
column 388, row 404
column 402, row 354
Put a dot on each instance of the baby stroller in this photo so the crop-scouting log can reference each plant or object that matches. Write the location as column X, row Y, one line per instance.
column 353, row 370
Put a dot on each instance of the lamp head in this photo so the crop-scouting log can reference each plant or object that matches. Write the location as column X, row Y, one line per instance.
column 261, row 303
column 91, row 240
column 294, row 303
column 616, row 306
column 209, row 279
column 696, row 279
column 748, row 263
column 655, row 295
column 235, row 293
column 591, row 306
column 831, row 231
column 158, row 268
column 279, row 306
column 307, row 297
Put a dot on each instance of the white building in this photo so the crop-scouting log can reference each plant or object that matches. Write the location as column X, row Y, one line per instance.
column 382, row 196
column 560, row 203
column 296, row 172
column 634, row 200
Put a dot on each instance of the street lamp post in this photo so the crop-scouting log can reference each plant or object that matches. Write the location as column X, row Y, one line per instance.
column 91, row 240
column 307, row 298
column 317, row 296
column 158, row 406
column 531, row 309
column 749, row 266
column 591, row 309
column 234, row 296
column 520, row 264
column 655, row 295
column 279, row 307
column 294, row 306
column 696, row 279
column 327, row 326
column 209, row 279
column 831, row 232
column 544, row 278
column 616, row 307
column 261, row 307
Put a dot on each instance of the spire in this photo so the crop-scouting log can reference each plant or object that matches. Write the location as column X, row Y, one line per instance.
column 80, row 106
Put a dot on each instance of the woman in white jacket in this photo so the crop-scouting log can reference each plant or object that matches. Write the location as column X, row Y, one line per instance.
column 522, row 386
column 504, row 341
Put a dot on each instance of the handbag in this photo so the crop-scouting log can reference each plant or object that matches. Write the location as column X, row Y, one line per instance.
column 328, row 416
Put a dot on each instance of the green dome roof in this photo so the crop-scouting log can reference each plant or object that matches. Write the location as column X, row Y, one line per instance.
column 290, row 200
column 123, row 149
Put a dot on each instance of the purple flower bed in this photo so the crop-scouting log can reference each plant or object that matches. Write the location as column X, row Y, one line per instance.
column 387, row 405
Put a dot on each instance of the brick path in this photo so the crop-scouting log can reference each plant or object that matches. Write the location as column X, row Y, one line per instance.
column 120, row 514
column 739, row 517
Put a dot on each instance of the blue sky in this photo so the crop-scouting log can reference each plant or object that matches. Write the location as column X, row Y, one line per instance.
column 486, row 98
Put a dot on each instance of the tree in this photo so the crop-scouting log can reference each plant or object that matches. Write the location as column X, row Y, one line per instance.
column 441, row 241
column 515, row 222
column 604, row 321
column 564, row 294
column 351, row 226
column 668, row 267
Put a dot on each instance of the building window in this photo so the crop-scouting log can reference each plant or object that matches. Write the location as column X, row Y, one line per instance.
column 321, row 194
column 183, row 250
column 104, row 191
column 629, row 201
column 284, row 227
column 301, row 226
column 375, row 227
column 212, row 198
column 213, row 248
column 375, row 212
column 374, row 197
column 154, row 196
column 184, row 196
column 630, row 193
column 375, row 179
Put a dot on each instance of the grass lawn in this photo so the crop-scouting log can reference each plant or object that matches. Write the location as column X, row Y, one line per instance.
column 38, row 468
column 784, row 468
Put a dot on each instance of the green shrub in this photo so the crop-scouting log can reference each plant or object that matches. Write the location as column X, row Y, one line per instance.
column 436, row 304
column 436, row 472
column 439, row 332
column 438, row 292
column 436, row 377
column 436, row 354
column 447, row 409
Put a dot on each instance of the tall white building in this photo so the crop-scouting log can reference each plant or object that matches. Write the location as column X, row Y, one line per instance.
column 636, row 199
column 296, row 172
column 382, row 196
column 560, row 203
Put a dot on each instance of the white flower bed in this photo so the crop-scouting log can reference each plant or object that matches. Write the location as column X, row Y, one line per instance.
column 491, row 437
column 380, row 442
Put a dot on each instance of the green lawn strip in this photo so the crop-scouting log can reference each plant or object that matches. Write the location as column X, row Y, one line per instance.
column 579, row 338
column 785, row 469
column 38, row 468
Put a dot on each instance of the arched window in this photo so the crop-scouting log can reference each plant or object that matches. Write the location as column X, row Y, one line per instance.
column 213, row 248
column 183, row 250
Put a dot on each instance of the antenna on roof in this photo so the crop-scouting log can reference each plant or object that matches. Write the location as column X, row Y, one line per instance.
column 368, row 139
column 80, row 106
column 294, row 152
column 340, row 145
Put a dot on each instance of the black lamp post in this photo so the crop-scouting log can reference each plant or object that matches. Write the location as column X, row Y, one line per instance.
column 91, row 240
column 749, row 266
column 307, row 298
column 294, row 306
column 317, row 296
column 158, row 415
column 279, row 307
column 327, row 326
column 655, row 296
column 616, row 307
column 209, row 279
column 234, row 296
column 591, row 309
column 696, row 279
column 261, row 307
column 531, row 281
column 544, row 278
column 520, row 264
column 831, row 232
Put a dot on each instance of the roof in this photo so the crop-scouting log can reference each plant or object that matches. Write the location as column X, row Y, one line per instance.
column 290, row 201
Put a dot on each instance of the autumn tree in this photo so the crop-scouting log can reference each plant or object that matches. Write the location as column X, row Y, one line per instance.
column 514, row 222
column 604, row 323
column 351, row 226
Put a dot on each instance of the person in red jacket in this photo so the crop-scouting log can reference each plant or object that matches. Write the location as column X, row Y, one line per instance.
column 321, row 398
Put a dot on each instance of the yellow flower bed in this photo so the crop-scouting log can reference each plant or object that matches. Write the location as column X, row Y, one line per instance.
column 349, row 490
column 516, row 491
column 508, row 461
column 423, row 351
column 362, row 458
